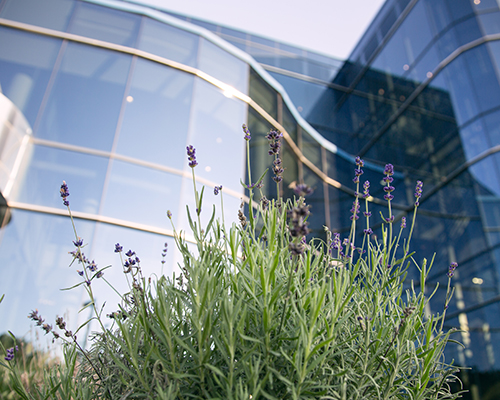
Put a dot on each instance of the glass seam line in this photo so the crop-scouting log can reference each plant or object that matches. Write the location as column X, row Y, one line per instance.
column 457, row 52
column 131, row 160
column 97, row 218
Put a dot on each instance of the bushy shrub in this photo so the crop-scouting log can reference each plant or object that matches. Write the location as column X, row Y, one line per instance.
column 259, row 313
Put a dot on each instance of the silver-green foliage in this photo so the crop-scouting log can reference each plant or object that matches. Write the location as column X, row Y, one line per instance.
column 250, row 319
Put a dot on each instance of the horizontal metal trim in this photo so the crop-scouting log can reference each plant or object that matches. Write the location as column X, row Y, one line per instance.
column 97, row 218
column 136, row 161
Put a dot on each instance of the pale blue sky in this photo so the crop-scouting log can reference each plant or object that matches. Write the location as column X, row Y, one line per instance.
column 331, row 27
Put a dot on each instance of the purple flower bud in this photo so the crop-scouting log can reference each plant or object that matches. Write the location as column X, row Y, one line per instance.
column 451, row 269
column 366, row 189
column 130, row 253
column 403, row 222
column 169, row 214
column 78, row 243
column 118, row 248
column 247, row 133
column 217, row 189
column 389, row 170
column 368, row 231
column 418, row 192
column 191, row 153
column 64, row 193
column 388, row 197
column 302, row 189
column 92, row 266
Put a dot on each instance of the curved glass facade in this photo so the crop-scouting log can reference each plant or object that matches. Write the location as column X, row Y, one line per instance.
column 106, row 99
column 106, row 95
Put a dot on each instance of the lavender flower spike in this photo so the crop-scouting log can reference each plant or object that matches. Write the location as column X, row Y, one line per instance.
column 302, row 189
column 388, row 171
column 366, row 189
column 247, row 133
column 418, row 192
column 451, row 269
column 217, row 189
column 64, row 193
column 191, row 153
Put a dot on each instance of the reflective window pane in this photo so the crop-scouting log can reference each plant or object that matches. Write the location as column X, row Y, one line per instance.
column 34, row 256
column 216, row 134
column 53, row 14
column 169, row 42
column 47, row 168
column 157, row 115
column 96, row 22
column 141, row 194
column 86, row 97
column 26, row 62
column 147, row 246
column 224, row 66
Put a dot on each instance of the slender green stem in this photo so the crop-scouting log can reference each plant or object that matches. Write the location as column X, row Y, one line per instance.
column 295, row 258
column 250, row 190
column 446, row 303
column 198, row 205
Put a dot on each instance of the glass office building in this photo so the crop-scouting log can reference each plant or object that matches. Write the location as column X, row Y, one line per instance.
column 106, row 95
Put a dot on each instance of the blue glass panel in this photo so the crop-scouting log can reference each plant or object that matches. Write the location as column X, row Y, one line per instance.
column 486, row 174
column 304, row 95
column 106, row 24
column 53, row 14
column 156, row 115
column 483, row 76
column 485, row 4
column 407, row 43
column 468, row 30
column 492, row 123
column 447, row 43
column 47, row 169
column 474, row 139
column 169, row 42
column 459, row 9
column 438, row 14
column 490, row 22
column 460, row 88
column 224, row 66
column 34, row 257
column 86, row 97
column 426, row 64
column 494, row 51
column 141, row 194
column 215, row 132
column 26, row 62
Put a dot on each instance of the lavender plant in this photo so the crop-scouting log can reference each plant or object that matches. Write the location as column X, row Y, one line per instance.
column 259, row 312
